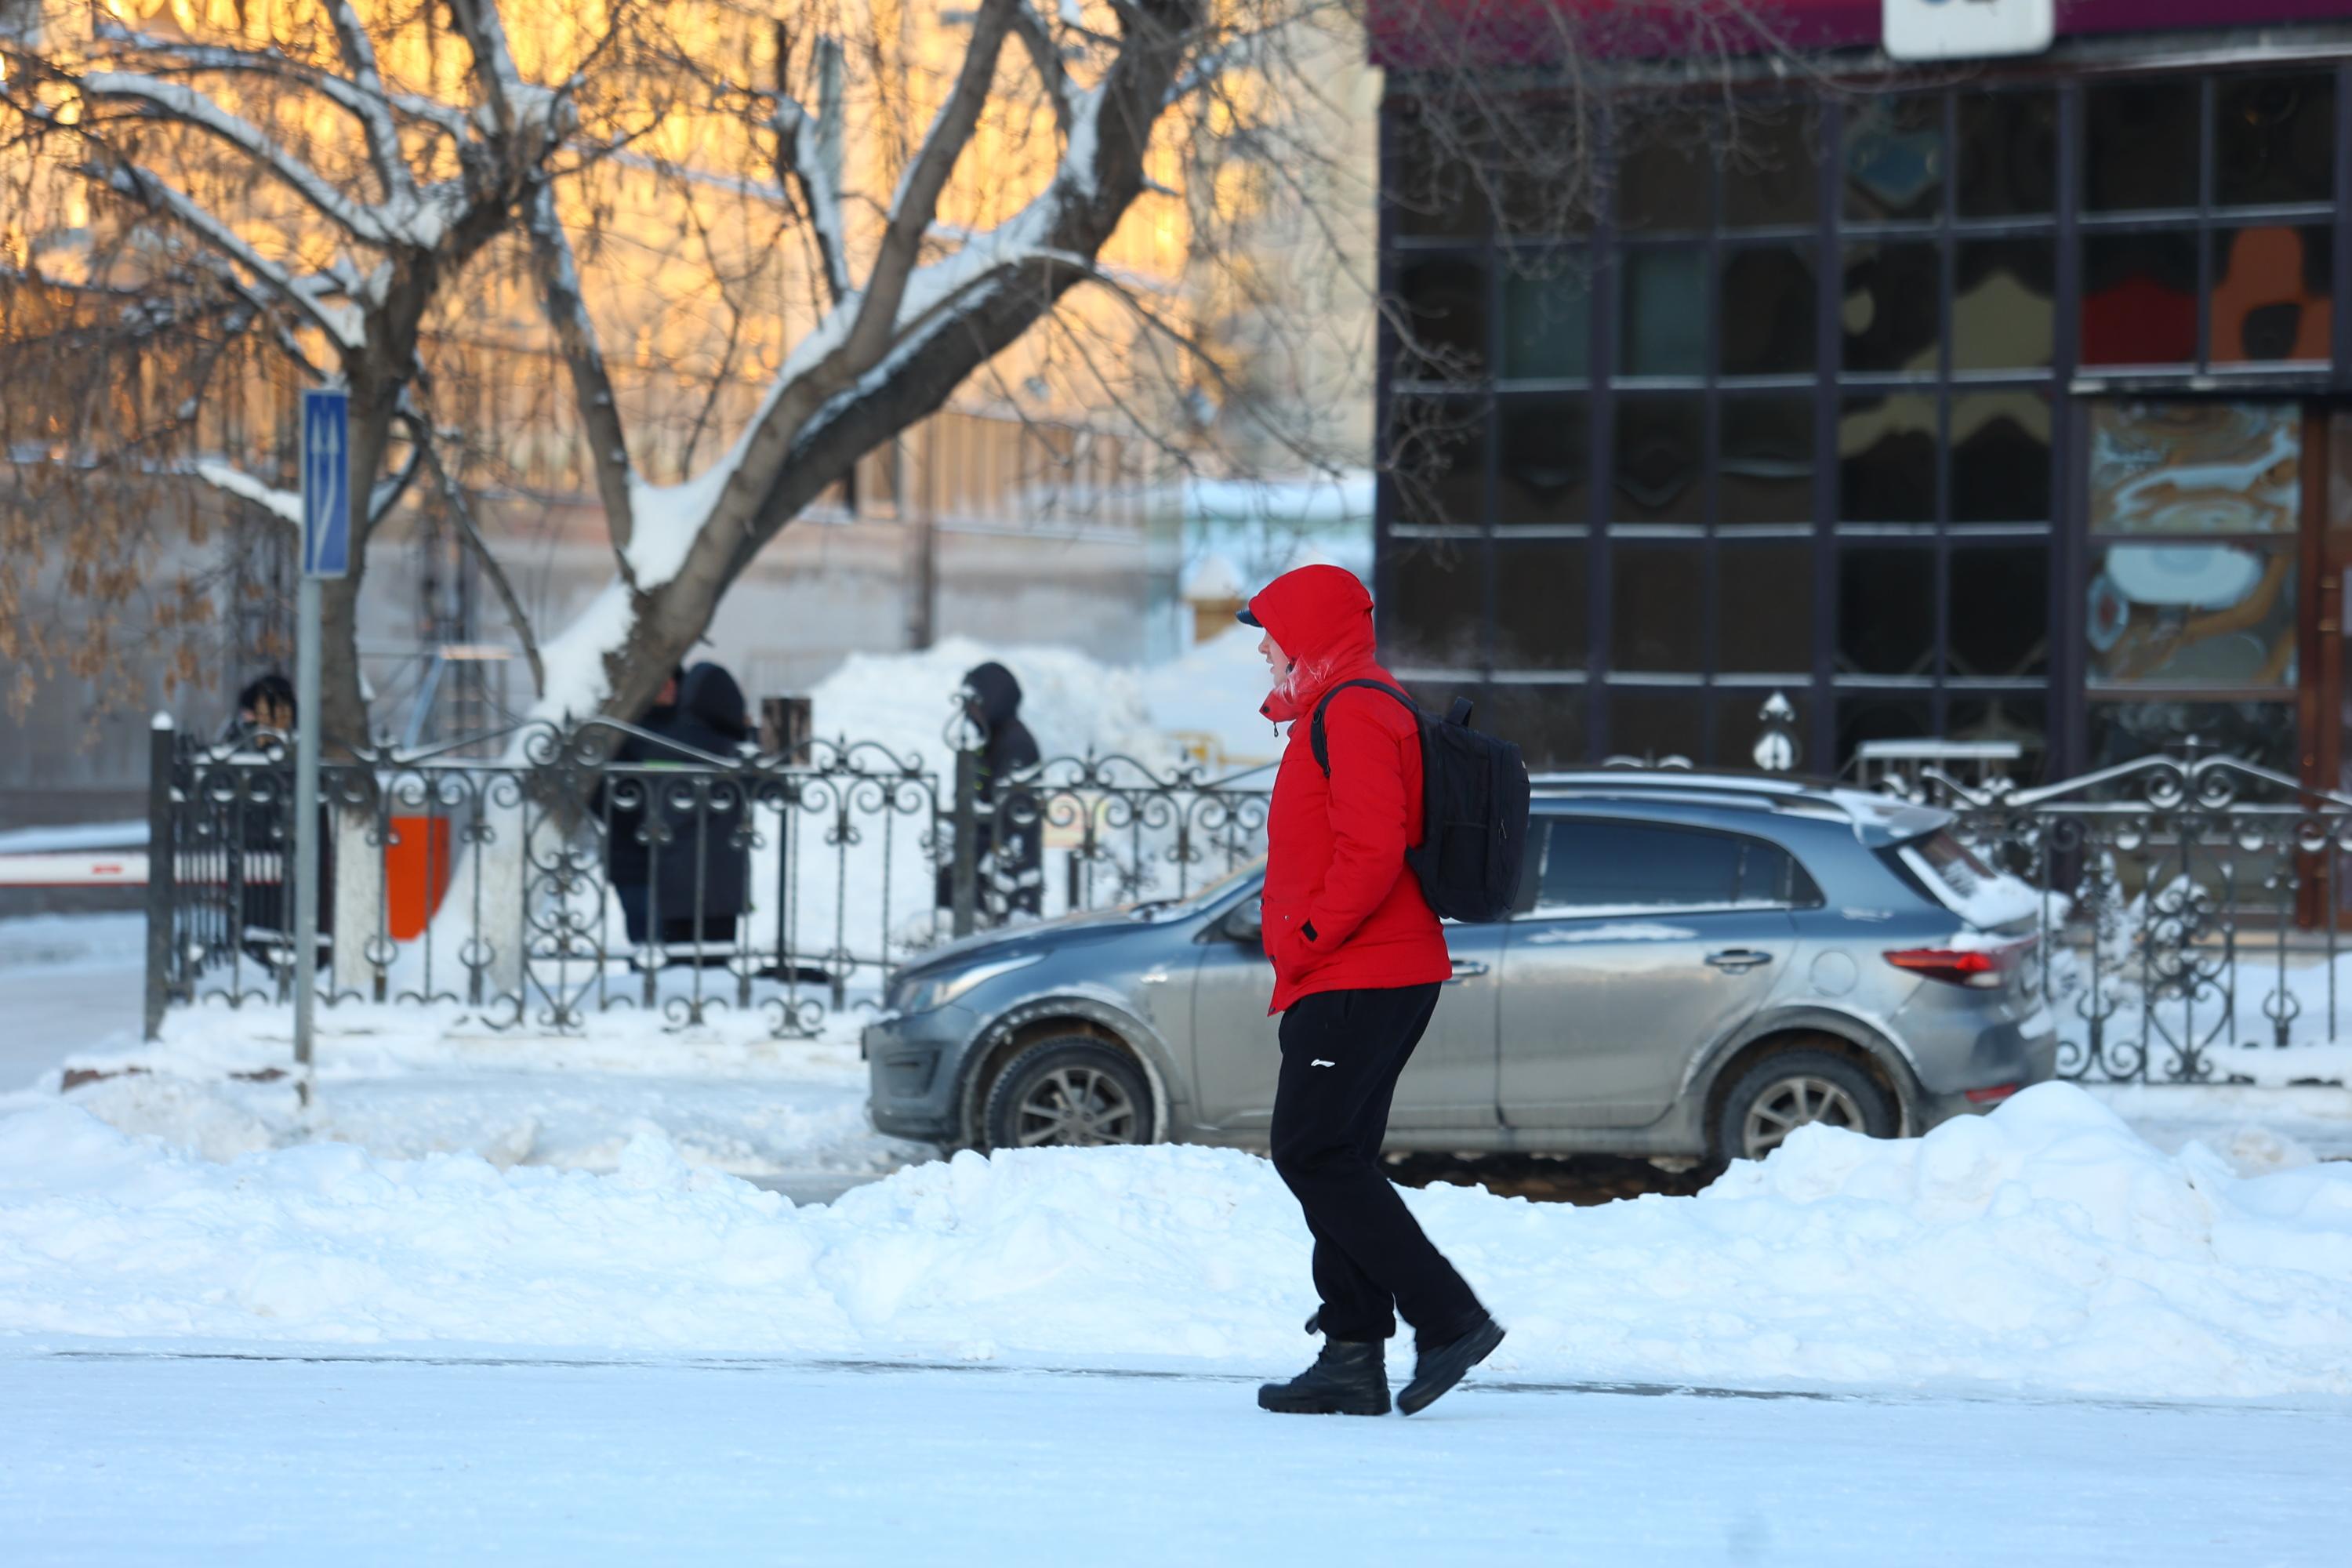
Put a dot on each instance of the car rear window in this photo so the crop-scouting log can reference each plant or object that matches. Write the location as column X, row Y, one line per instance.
column 1939, row 865
column 1590, row 863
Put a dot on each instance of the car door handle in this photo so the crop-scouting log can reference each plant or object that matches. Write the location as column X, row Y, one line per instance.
column 1466, row 969
column 1738, row 960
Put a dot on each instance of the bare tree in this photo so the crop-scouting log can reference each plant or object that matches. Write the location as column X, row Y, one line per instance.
column 851, row 210
column 261, row 215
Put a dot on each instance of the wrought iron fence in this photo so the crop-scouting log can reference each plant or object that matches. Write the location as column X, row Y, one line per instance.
column 596, row 866
column 2189, row 913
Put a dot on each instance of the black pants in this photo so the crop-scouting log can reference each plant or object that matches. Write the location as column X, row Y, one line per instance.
column 1341, row 1053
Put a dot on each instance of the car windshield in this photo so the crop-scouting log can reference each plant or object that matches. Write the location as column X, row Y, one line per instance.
column 1202, row 898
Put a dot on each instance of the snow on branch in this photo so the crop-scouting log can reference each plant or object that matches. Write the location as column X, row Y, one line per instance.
column 158, row 195
column 284, row 505
column 172, row 101
column 375, row 122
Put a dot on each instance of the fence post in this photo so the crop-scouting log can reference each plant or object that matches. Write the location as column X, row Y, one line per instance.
column 163, row 752
column 965, row 874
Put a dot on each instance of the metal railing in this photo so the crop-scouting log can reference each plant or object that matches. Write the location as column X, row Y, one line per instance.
column 2189, row 910
column 569, row 875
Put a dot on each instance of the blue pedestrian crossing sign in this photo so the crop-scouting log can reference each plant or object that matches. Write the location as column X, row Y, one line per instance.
column 326, row 484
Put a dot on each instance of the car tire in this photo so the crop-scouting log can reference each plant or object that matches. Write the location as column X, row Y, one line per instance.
column 1791, row 1089
column 1071, row 1090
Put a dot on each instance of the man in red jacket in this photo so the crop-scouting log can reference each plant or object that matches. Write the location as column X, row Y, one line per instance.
column 1357, row 961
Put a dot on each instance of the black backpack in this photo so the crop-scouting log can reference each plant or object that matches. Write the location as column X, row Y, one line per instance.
column 1474, row 813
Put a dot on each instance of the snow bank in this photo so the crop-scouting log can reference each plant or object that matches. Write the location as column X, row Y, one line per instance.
column 2042, row 1247
column 405, row 1082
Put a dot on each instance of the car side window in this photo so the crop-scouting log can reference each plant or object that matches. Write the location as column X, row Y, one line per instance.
column 1590, row 863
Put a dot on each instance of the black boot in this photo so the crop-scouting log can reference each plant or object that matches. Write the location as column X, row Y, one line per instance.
column 1350, row 1378
column 1440, row 1367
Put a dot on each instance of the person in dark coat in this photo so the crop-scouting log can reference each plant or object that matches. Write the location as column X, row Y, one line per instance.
column 1009, row 842
column 699, row 879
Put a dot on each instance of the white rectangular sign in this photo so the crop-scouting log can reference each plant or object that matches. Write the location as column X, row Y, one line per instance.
column 1967, row 29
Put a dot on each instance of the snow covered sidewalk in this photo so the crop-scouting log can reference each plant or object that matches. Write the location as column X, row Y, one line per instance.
column 303, row 1463
column 2045, row 1247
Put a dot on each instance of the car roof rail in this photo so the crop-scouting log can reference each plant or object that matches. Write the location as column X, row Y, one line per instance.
column 1628, row 781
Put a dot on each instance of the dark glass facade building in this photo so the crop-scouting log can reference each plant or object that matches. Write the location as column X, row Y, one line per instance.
column 2002, row 407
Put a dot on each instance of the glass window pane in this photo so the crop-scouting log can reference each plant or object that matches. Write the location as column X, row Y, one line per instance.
column 1659, row 458
column 2196, row 468
column 1769, row 168
column 1545, row 461
column 1894, row 158
column 1739, row 725
column 1438, row 449
column 2192, row 615
column 1654, row 725
column 2008, row 154
column 1881, row 716
column 2140, row 144
column 1657, row 594
column 1444, row 299
column 2000, row 614
column 1603, row 864
column 1548, row 321
column 1768, row 310
column 1766, row 470
column 1886, row 460
column 1545, row 184
column 2023, row 718
column 2271, row 295
column 2002, row 318
column 2139, row 299
column 1764, row 615
column 1540, row 605
column 2000, row 457
column 2274, row 139
column 1663, row 174
column 2262, row 732
column 1546, row 721
column 1893, row 305
column 1664, row 322
column 1435, row 603
column 1431, row 190
column 1887, row 610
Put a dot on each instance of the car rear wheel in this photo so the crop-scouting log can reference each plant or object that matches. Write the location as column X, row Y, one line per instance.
column 1073, row 1090
column 1790, row 1089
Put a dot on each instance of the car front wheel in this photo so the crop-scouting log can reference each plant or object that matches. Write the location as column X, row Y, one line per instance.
column 1072, row 1090
column 1790, row 1089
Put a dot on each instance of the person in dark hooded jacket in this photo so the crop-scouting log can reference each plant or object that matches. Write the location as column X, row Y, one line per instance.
column 698, row 880
column 1009, row 844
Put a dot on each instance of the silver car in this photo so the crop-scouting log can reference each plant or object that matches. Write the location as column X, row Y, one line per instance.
column 1699, row 965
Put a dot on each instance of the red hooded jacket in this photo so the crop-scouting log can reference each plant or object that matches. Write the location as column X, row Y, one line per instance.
column 1342, row 912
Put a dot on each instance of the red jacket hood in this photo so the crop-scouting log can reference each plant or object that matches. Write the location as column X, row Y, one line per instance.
column 1322, row 617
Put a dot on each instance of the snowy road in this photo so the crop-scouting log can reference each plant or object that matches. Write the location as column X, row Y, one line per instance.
column 130, row 1456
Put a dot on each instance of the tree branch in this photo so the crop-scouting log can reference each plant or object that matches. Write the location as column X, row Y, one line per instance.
column 461, row 512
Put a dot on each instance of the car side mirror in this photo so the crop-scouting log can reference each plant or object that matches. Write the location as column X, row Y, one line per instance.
column 1244, row 922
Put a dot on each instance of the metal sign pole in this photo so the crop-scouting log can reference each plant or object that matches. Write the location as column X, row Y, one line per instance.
column 305, row 828
column 326, row 552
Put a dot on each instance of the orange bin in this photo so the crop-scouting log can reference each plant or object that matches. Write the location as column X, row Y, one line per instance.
column 416, row 873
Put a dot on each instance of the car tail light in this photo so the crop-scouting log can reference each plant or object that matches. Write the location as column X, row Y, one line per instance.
column 1993, row 1095
column 1985, row 968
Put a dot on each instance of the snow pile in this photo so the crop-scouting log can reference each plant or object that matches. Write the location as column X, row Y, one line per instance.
column 405, row 1082
column 905, row 701
column 2042, row 1247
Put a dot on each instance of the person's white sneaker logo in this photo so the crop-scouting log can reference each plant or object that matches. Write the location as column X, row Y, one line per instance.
column 1319, row 1062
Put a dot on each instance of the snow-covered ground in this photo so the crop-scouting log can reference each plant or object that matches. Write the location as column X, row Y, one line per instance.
column 142, row 1460
column 2045, row 1247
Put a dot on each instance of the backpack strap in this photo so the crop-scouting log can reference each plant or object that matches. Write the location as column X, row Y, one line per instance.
column 1314, row 731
